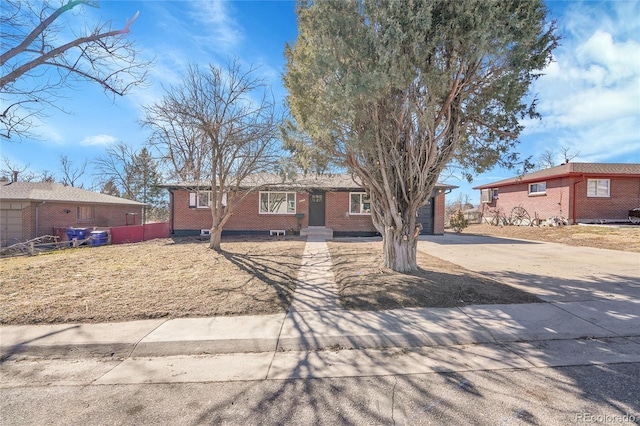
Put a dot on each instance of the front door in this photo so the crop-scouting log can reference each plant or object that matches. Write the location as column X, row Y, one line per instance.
column 316, row 208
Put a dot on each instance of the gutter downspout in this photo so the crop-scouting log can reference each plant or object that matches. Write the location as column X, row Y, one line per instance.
column 171, row 211
column 574, row 199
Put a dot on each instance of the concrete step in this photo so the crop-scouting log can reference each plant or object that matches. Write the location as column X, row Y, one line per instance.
column 317, row 231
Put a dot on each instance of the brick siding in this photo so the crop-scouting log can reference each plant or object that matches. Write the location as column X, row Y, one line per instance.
column 438, row 215
column 246, row 216
column 52, row 215
column 624, row 196
column 559, row 198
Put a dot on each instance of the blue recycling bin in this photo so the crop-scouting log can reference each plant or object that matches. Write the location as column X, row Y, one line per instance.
column 77, row 233
column 99, row 238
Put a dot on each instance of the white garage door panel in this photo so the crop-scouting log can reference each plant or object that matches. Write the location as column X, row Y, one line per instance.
column 10, row 226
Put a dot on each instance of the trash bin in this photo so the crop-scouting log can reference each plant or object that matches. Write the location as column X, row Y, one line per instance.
column 77, row 233
column 99, row 238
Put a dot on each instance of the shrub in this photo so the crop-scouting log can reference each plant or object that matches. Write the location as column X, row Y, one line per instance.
column 457, row 221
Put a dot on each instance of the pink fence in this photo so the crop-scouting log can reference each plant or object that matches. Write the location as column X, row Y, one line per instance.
column 137, row 233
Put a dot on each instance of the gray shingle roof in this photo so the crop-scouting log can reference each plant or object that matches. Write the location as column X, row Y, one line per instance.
column 275, row 181
column 48, row 191
column 603, row 169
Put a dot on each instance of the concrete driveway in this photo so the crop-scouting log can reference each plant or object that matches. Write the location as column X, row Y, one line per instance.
column 554, row 272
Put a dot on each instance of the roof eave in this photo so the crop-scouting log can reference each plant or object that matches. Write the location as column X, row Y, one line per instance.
column 501, row 184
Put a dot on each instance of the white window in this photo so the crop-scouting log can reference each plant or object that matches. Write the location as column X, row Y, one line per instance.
column 203, row 199
column 537, row 188
column 598, row 188
column 278, row 202
column 85, row 213
column 200, row 199
column 360, row 203
column 488, row 195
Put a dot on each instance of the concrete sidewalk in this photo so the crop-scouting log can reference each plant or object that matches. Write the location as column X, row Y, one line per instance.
column 500, row 336
column 332, row 329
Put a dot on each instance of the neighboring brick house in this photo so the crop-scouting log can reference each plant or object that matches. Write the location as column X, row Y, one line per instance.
column 580, row 192
column 32, row 209
column 329, row 205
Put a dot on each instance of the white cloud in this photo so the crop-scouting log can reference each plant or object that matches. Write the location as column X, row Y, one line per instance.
column 48, row 133
column 588, row 97
column 617, row 60
column 222, row 31
column 98, row 140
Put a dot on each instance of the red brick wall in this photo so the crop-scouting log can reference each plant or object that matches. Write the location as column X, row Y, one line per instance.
column 338, row 217
column 555, row 201
column 29, row 224
column 624, row 196
column 53, row 215
column 438, row 214
column 246, row 216
column 559, row 198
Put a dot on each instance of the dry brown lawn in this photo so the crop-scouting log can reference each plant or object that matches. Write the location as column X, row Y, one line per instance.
column 154, row 279
column 183, row 278
column 601, row 236
column 364, row 285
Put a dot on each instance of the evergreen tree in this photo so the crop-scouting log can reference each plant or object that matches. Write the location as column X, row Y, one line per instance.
column 397, row 90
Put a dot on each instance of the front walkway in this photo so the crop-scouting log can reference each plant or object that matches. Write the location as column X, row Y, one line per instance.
column 316, row 289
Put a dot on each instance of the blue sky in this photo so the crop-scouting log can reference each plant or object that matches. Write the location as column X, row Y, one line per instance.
column 589, row 98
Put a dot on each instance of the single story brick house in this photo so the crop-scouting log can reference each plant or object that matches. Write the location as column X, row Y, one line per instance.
column 33, row 209
column 329, row 205
column 580, row 192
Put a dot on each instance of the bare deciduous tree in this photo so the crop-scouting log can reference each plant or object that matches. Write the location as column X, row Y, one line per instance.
column 12, row 172
column 547, row 159
column 219, row 128
column 70, row 173
column 36, row 63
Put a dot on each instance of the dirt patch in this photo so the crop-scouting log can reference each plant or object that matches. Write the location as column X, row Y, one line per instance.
column 599, row 236
column 155, row 279
column 364, row 285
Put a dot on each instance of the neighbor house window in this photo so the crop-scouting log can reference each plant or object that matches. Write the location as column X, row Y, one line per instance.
column 360, row 203
column 538, row 188
column 598, row 188
column 85, row 213
column 278, row 202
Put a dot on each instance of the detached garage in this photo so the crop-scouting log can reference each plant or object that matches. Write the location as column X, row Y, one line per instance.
column 33, row 209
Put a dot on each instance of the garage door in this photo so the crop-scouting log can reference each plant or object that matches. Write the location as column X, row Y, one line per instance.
column 10, row 226
column 425, row 217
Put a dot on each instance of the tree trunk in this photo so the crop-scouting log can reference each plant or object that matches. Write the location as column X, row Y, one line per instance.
column 399, row 250
column 214, row 240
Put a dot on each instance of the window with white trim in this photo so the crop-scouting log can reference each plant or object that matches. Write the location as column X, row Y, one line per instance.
column 598, row 188
column 360, row 203
column 538, row 188
column 203, row 199
column 278, row 202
